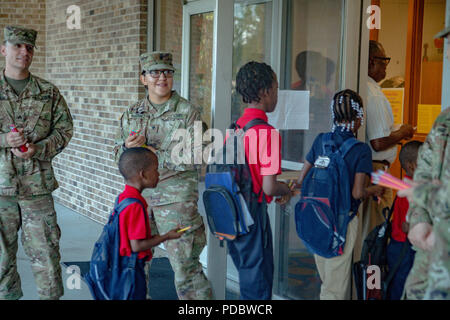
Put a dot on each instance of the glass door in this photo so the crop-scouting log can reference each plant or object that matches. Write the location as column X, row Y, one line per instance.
column 311, row 60
column 198, row 33
column 206, row 82
column 251, row 40
column 315, row 52
column 312, row 48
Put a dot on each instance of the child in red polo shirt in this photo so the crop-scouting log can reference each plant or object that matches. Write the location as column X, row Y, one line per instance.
column 252, row 253
column 399, row 250
column 139, row 167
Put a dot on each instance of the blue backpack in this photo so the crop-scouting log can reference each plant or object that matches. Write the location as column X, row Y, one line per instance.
column 107, row 279
column 229, row 196
column 322, row 214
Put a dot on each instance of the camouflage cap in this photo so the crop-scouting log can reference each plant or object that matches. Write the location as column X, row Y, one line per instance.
column 443, row 33
column 17, row 35
column 156, row 61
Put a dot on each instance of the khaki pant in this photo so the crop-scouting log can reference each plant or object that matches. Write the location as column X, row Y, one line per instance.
column 36, row 217
column 336, row 273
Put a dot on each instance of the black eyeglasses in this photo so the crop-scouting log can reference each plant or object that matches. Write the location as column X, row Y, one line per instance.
column 157, row 73
column 386, row 60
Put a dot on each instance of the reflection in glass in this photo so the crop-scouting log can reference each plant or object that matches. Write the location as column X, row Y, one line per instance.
column 252, row 34
column 432, row 66
column 314, row 73
column 313, row 44
column 312, row 62
column 200, row 74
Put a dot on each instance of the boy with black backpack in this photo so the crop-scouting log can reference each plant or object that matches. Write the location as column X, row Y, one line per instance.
column 400, row 255
column 334, row 179
column 241, row 184
column 117, row 264
column 252, row 254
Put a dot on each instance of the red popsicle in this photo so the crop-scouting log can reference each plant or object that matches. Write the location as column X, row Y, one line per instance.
column 22, row 148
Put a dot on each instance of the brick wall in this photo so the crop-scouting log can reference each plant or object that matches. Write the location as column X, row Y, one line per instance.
column 170, row 33
column 97, row 70
column 28, row 14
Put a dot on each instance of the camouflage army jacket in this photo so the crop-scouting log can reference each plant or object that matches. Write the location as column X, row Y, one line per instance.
column 43, row 113
column 431, row 203
column 433, row 163
column 178, row 181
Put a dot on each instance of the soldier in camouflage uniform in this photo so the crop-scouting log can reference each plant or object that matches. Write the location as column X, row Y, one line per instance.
column 429, row 212
column 44, row 126
column 174, row 202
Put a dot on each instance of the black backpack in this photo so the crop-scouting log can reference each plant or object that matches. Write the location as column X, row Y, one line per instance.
column 374, row 253
column 229, row 198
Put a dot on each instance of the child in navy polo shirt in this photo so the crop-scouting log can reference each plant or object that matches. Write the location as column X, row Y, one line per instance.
column 139, row 167
column 347, row 113
column 399, row 250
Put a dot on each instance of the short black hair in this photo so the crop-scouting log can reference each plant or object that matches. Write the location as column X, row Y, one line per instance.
column 134, row 160
column 252, row 78
column 409, row 152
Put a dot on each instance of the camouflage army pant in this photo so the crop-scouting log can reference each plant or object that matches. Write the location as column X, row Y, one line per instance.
column 417, row 281
column 184, row 253
column 439, row 270
column 36, row 217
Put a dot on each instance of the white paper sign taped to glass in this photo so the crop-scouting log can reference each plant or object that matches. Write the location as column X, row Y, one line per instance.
column 292, row 111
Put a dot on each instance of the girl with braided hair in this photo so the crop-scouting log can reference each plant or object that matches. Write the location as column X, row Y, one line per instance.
column 347, row 111
column 347, row 117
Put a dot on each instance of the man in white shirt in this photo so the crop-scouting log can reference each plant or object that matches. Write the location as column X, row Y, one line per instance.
column 381, row 135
